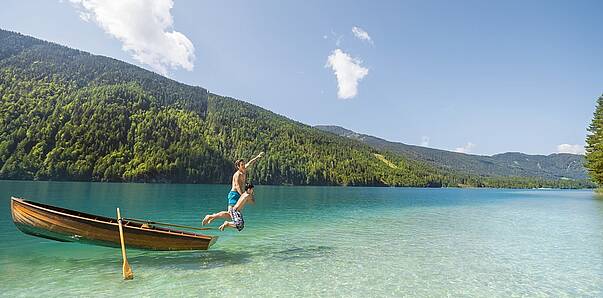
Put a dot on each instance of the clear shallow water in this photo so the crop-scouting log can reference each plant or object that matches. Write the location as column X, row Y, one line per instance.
column 321, row 241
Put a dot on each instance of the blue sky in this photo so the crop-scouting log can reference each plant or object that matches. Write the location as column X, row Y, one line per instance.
column 483, row 77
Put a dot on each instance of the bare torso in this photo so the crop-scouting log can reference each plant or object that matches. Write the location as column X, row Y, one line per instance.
column 238, row 182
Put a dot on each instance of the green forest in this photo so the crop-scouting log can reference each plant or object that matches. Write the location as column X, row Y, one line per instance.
column 594, row 145
column 69, row 115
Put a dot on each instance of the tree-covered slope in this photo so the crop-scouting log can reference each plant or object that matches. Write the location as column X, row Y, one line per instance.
column 66, row 114
column 71, row 115
column 554, row 166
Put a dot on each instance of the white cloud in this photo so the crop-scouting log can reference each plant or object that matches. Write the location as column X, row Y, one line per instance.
column 568, row 148
column 467, row 148
column 348, row 72
column 425, row 141
column 144, row 29
column 361, row 34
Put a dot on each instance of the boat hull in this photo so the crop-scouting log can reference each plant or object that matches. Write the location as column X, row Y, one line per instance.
column 72, row 226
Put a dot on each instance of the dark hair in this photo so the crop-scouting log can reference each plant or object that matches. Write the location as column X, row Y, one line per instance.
column 238, row 163
column 248, row 186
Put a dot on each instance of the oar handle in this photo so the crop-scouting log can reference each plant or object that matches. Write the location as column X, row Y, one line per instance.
column 126, row 270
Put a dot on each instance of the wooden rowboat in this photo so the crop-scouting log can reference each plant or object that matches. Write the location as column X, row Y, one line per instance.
column 73, row 226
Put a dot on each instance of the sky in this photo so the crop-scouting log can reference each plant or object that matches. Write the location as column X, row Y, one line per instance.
column 481, row 77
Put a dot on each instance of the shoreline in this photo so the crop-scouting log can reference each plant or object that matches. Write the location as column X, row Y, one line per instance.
column 594, row 189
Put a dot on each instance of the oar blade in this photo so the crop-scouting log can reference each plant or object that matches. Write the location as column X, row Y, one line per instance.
column 127, row 271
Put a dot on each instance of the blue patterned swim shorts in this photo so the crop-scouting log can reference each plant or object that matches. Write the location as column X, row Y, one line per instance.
column 237, row 218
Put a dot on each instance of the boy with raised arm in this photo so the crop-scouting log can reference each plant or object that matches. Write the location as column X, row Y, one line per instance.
column 238, row 183
column 235, row 212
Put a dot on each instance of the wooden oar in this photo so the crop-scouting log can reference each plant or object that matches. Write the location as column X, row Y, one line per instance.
column 126, row 270
column 167, row 224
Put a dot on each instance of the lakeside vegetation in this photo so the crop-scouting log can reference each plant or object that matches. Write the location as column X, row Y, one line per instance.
column 70, row 115
column 594, row 145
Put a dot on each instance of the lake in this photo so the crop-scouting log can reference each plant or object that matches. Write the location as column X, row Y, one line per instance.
column 321, row 241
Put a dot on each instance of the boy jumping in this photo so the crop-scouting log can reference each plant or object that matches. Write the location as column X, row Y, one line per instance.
column 235, row 212
column 238, row 183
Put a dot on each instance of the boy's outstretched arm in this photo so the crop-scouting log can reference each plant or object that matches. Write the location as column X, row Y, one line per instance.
column 252, row 161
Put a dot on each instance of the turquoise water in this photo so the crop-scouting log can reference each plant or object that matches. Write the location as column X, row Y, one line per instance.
column 321, row 241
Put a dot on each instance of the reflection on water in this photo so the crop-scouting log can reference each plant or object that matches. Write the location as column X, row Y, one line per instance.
column 192, row 260
column 310, row 252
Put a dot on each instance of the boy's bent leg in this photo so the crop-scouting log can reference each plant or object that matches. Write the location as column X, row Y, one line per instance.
column 210, row 217
column 245, row 198
column 226, row 224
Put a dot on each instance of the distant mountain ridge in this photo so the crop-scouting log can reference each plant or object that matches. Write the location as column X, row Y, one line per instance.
column 553, row 166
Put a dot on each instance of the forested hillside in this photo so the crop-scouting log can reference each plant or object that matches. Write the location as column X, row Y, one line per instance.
column 510, row 164
column 70, row 115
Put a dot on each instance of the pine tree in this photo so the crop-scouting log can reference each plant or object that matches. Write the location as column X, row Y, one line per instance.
column 594, row 145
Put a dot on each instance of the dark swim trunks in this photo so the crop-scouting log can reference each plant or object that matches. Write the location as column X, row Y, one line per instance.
column 237, row 218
